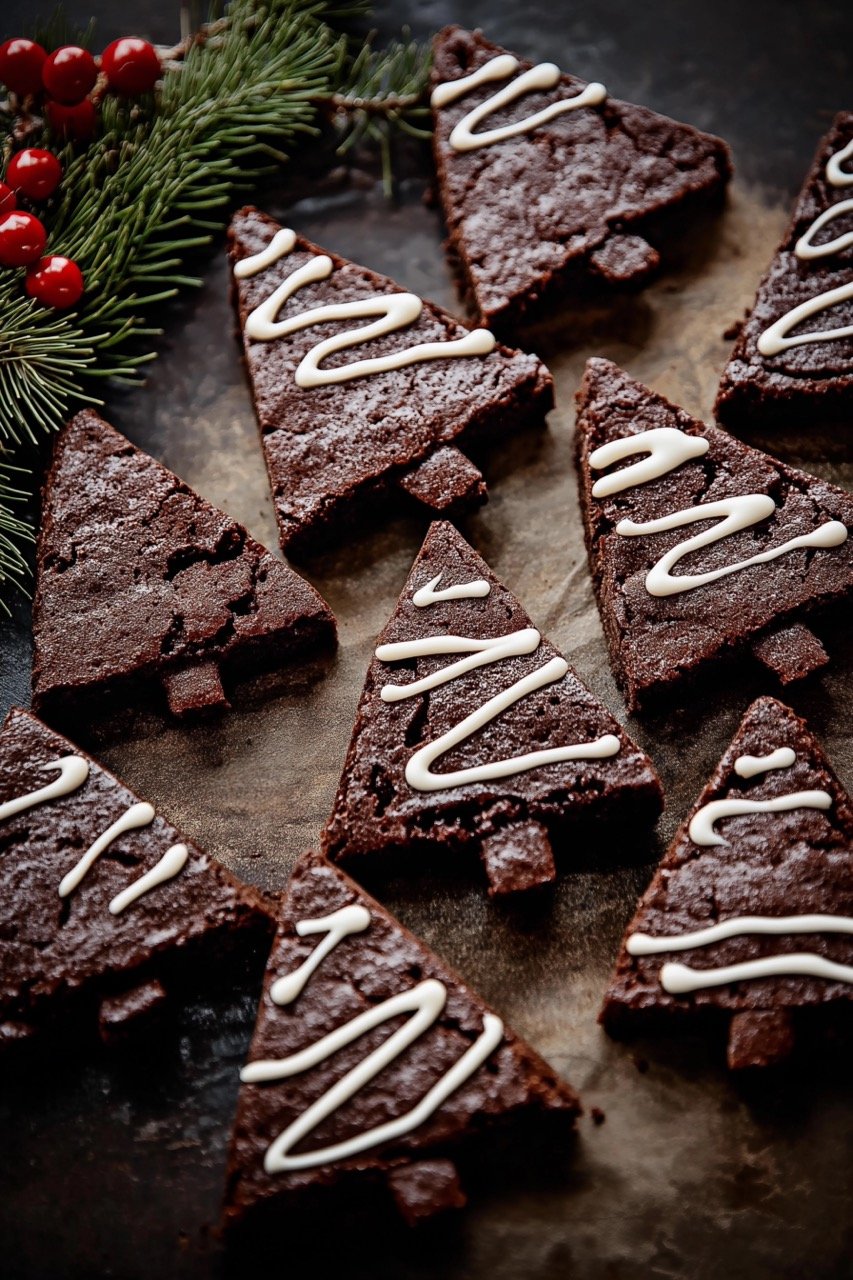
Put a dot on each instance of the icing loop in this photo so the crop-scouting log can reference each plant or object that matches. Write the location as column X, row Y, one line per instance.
column 805, row 249
column 679, row 979
column 835, row 175
column 138, row 815
column 749, row 766
column 280, row 246
column 734, row 514
column 428, row 595
column 393, row 311
column 337, row 926
column 425, row 1003
column 645, row 944
column 667, row 448
column 170, row 865
column 419, row 773
column 701, row 829
column 73, row 772
column 775, row 338
column 544, row 76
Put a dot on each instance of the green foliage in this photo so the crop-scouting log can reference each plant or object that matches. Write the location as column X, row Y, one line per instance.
column 237, row 99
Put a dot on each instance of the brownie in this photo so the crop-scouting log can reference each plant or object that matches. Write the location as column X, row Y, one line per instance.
column 777, row 374
column 666, row 617
column 142, row 583
column 586, row 198
column 86, row 941
column 344, row 982
column 336, row 450
column 771, row 836
column 392, row 798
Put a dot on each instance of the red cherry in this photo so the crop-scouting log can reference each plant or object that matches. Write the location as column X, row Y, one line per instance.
column 21, row 62
column 69, row 73
column 131, row 65
column 34, row 172
column 22, row 239
column 56, row 281
column 77, row 123
column 7, row 199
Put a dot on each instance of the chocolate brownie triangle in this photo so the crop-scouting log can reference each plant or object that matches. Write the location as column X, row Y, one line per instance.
column 102, row 902
column 373, row 1065
column 793, row 360
column 748, row 921
column 700, row 547
column 548, row 184
column 474, row 733
column 140, row 581
column 362, row 390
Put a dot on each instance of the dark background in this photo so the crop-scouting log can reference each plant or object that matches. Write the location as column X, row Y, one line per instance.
column 116, row 1169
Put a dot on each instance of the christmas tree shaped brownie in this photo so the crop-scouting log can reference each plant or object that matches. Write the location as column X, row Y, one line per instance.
column 362, row 390
column 101, row 900
column 699, row 546
column 749, row 919
column 473, row 732
column 372, row 1063
column 548, row 184
column 140, row 581
column 793, row 360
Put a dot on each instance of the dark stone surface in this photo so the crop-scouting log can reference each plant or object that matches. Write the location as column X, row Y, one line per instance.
column 118, row 1170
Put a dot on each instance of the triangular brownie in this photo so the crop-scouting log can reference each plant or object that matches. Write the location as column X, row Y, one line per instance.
column 140, row 580
column 749, row 918
column 100, row 899
column 351, row 997
column 362, row 389
column 699, row 546
column 548, row 184
column 793, row 360
column 473, row 732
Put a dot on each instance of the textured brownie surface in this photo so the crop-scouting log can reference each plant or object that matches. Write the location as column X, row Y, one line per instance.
column 654, row 641
column 55, row 950
column 140, row 579
column 798, row 862
column 331, row 449
column 572, row 201
column 376, row 808
column 364, row 969
column 813, row 381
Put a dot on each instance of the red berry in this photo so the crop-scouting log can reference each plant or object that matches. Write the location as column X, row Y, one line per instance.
column 131, row 65
column 21, row 62
column 22, row 239
column 34, row 172
column 56, row 281
column 69, row 73
column 77, row 123
column 7, row 199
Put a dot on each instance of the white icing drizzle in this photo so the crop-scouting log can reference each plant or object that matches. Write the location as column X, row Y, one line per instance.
column 775, row 338
column 749, row 766
column 805, row 249
column 733, row 514
column 419, row 773
column 337, row 926
column 394, row 311
column 171, row 864
column 425, row 1003
column 428, row 595
column 281, row 244
column 679, row 979
column 138, row 815
column 544, row 76
column 73, row 772
column 667, row 448
column 645, row 944
column 835, row 175
column 701, row 829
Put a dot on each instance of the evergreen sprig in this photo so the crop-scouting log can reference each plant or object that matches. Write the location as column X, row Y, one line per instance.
column 237, row 98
